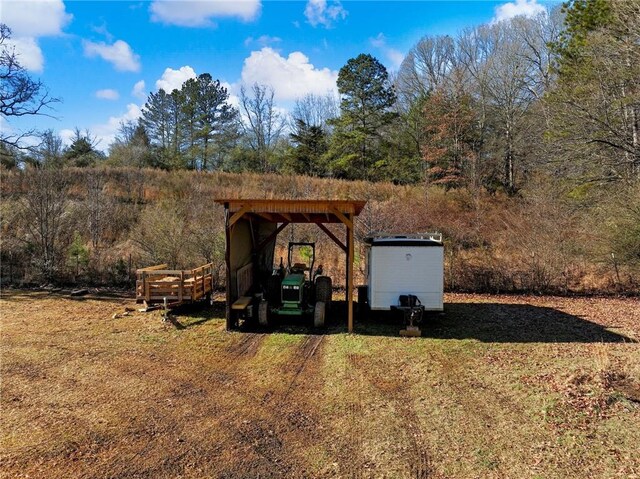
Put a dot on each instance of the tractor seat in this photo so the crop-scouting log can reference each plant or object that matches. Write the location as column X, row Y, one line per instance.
column 300, row 266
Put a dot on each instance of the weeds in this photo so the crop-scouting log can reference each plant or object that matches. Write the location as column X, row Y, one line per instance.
column 543, row 243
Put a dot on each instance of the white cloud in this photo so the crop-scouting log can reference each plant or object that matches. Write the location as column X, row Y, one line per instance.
column 291, row 77
column 106, row 132
column 103, row 31
column 139, row 90
column 34, row 19
column 173, row 79
column 528, row 8
column 395, row 57
column 234, row 99
column 199, row 13
column 67, row 136
column 27, row 52
column 30, row 20
column 107, row 94
column 262, row 41
column 119, row 54
column 318, row 12
column 379, row 41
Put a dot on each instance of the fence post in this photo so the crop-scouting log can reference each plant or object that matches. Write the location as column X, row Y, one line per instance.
column 145, row 285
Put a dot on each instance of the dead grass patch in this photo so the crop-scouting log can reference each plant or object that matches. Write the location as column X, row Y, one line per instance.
column 483, row 394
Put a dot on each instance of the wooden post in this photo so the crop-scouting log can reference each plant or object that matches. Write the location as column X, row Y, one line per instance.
column 350, row 274
column 180, row 291
column 145, row 285
column 227, row 259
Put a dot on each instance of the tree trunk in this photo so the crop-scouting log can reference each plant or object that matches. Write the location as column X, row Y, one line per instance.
column 508, row 161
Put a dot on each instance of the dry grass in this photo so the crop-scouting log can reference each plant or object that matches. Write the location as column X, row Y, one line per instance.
column 542, row 242
column 502, row 386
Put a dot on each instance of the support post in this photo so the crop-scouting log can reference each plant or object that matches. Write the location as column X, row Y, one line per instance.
column 349, row 293
column 145, row 285
column 227, row 259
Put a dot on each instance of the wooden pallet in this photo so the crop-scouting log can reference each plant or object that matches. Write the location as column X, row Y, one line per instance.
column 156, row 283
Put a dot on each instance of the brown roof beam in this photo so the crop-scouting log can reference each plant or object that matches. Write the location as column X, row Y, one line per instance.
column 271, row 237
column 332, row 236
column 267, row 216
column 342, row 218
column 238, row 214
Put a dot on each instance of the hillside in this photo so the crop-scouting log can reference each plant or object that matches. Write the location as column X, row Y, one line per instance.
column 95, row 226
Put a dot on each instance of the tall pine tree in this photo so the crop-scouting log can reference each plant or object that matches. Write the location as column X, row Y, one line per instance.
column 366, row 100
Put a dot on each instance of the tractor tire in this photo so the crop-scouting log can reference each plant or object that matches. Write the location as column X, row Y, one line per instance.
column 324, row 290
column 263, row 314
column 318, row 314
column 274, row 284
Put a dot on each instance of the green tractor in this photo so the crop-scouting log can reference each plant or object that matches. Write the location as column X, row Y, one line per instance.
column 297, row 290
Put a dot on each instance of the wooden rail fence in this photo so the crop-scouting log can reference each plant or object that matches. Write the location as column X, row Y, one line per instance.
column 155, row 283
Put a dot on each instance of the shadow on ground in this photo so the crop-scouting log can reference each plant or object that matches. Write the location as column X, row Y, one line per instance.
column 501, row 323
column 190, row 315
column 486, row 322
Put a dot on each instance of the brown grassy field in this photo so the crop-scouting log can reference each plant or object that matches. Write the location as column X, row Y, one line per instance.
column 501, row 386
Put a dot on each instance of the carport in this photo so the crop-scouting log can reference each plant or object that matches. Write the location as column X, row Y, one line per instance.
column 251, row 228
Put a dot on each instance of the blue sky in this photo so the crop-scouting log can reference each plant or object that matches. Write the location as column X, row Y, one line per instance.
column 102, row 58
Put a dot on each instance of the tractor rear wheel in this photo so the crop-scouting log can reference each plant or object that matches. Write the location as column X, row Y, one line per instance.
column 263, row 313
column 324, row 289
column 318, row 314
column 274, row 283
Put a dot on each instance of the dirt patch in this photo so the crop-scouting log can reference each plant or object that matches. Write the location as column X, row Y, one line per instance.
column 302, row 357
column 395, row 387
column 246, row 347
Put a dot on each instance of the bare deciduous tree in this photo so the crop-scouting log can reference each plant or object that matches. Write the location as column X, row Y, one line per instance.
column 596, row 102
column 20, row 95
column 425, row 68
column 316, row 110
column 50, row 151
column 44, row 208
column 262, row 122
column 162, row 234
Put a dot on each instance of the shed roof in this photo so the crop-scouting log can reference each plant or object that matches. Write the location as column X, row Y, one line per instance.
column 294, row 211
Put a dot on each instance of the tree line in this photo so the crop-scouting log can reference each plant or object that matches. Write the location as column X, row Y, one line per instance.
column 517, row 139
column 556, row 94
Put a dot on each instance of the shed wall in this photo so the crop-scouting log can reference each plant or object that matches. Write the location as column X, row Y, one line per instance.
column 242, row 246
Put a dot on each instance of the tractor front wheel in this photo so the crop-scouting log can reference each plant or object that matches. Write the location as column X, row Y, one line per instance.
column 263, row 313
column 318, row 315
column 324, row 289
